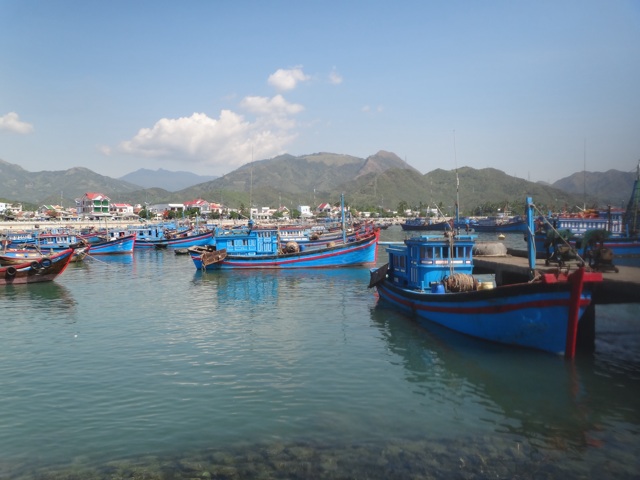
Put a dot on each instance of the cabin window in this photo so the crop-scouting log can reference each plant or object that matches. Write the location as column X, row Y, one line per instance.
column 426, row 253
column 400, row 262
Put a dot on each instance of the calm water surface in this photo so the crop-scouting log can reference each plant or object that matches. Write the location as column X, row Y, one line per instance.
column 141, row 367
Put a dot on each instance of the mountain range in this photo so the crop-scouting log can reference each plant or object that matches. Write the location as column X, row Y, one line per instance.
column 170, row 181
column 380, row 180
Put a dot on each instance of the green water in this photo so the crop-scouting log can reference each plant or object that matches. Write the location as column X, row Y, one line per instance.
column 141, row 367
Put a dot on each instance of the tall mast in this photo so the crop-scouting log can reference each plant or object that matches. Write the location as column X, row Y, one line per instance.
column 251, row 187
column 584, row 176
column 344, row 227
column 455, row 158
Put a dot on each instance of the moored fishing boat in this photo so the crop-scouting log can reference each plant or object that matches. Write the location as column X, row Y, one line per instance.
column 162, row 236
column 613, row 229
column 114, row 244
column 17, row 256
column 260, row 248
column 250, row 247
column 35, row 271
column 313, row 236
column 501, row 225
column 432, row 278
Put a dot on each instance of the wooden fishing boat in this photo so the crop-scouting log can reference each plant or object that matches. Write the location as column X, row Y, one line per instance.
column 251, row 248
column 34, row 271
column 429, row 225
column 501, row 225
column 20, row 256
column 613, row 229
column 432, row 278
column 160, row 236
column 32, row 252
column 314, row 236
column 114, row 245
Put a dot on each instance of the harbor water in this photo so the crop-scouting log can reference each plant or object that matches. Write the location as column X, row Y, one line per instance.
column 139, row 366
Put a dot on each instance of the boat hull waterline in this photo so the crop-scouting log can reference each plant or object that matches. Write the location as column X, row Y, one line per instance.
column 361, row 252
column 44, row 270
column 532, row 315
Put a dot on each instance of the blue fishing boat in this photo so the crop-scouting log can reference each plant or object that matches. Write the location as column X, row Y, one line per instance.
column 318, row 235
column 250, row 247
column 427, row 224
column 260, row 248
column 17, row 239
column 114, row 244
column 501, row 225
column 164, row 236
column 431, row 277
column 612, row 229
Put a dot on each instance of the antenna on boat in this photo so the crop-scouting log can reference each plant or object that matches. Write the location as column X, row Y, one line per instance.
column 344, row 227
column 251, row 186
column 584, row 176
column 455, row 159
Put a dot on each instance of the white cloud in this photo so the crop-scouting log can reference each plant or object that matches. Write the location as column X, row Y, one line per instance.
column 368, row 109
column 12, row 123
column 224, row 143
column 284, row 80
column 270, row 106
column 335, row 78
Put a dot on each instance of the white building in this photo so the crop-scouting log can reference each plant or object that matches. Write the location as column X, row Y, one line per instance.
column 305, row 211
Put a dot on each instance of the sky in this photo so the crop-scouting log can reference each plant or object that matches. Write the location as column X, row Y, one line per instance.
column 539, row 90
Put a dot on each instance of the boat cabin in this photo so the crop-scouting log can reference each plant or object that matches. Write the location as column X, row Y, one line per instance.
column 426, row 260
column 579, row 224
column 247, row 241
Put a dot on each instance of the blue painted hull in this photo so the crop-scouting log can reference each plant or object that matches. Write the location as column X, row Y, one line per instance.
column 525, row 315
column 362, row 252
column 620, row 246
column 198, row 240
column 119, row 245
column 623, row 247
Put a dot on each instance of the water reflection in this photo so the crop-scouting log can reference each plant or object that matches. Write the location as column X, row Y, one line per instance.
column 41, row 296
column 543, row 398
column 119, row 259
column 264, row 286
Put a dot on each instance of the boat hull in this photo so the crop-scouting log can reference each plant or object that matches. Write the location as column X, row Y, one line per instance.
column 36, row 271
column 361, row 252
column 197, row 240
column 119, row 245
column 503, row 228
column 526, row 315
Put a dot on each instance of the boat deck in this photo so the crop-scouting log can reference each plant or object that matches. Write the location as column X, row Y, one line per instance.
column 620, row 287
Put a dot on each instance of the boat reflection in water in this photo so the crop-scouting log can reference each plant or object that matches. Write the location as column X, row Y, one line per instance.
column 546, row 401
column 45, row 296
column 122, row 259
column 260, row 287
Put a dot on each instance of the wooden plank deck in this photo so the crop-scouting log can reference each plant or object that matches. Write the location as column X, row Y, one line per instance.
column 621, row 287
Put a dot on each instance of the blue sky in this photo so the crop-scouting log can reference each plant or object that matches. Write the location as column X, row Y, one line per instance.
column 535, row 89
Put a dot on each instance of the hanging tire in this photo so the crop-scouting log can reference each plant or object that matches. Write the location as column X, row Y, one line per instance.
column 35, row 265
column 10, row 272
column 46, row 262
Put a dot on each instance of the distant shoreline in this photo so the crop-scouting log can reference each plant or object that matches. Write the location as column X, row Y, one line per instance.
column 17, row 226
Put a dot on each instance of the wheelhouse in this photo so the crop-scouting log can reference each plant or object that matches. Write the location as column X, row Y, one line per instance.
column 427, row 259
